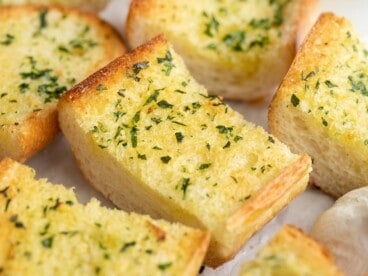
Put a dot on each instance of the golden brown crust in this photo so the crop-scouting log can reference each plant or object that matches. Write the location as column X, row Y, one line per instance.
column 271, row 192
column 321, row 35
column 294, row 248
column 273, row 197
column 248, row 86
column 77, row 99
column 122, row 62
column 37, row 131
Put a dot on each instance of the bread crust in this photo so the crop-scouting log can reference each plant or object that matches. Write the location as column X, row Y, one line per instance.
column 325, row 149
column 240, row 226
column 191, row 243
column 26, row 138
column 234, row 84
column 93, row 6
column 308, row 253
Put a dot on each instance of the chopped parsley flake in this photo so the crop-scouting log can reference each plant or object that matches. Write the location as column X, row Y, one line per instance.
column 179, row 137
column 126, row 246
column 164, row 104
column 205, row 166
column 294, row 100
column 164, row 266
column 165, row 159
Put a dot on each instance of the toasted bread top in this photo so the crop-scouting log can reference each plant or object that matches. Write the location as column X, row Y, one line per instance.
column 291, row 252
column 149, row 113
column 91, row 5
column 46, row 230
column 231, row 34
column 328, row 84
column 44, row 52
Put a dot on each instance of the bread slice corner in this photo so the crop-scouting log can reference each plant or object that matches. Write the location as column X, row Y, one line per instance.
column 44, row 51
column 321, row 105
column 45, row 230
column 148, row 136
column 291, row 252
column 234, row 53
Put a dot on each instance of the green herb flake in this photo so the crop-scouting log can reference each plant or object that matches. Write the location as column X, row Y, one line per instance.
column 138, row 67
column 271, row 140
column 184, row 186
column 164, row 104
column 263, row 23
column 294, row 100
column 165, row 159
column 366, row 142
column 134, row 136
column 330, row 84
column 204, row 166
column 47, row 243
column 227, row 145
column 164, row 266
column 212, row 26
column 235, row 40
column 23, row 87
column 142, row 156
column 137, row 117
column 179, row 137
column 42, row 18
column 7, row 40
column 324, row 122
column 126, row 246
column 153, row 97
column 167, row 62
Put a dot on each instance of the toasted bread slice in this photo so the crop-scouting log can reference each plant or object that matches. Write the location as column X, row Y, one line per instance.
column 45, row 231
column 291, row 252
column 89, row 5
column 148, row 136
column 343, row 230
column 237, row 49
column 44, row 52
column 321, row 106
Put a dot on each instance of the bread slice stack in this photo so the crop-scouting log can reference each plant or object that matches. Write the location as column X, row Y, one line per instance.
column 89, row 5
column 44, row 52
column 148, row 136
column 46, row 231
column 321, row 106
column 238, row 49
column 291, row 252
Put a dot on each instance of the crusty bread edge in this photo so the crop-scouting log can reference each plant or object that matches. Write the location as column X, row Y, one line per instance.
column 200, row 242
column 262, row 207
column 296, row 174
column 39, row 129
column 308, row 43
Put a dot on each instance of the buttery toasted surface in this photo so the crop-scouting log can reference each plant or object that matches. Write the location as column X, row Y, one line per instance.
column 45, row 231
column 237, row 49
column 291, row 252
column 343, row 230
column 90, row 5
column 321, row 106
column 43, row 53
column 148, row 136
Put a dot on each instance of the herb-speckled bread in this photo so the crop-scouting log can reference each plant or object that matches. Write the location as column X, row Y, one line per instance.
column 43, row 53
column 45, row 231
column 90, row 5
column 236, row 49
column 322, row 106
column 291, row 252
column 148, row 136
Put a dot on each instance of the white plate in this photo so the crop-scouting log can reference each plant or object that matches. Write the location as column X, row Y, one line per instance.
column 57, row 164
